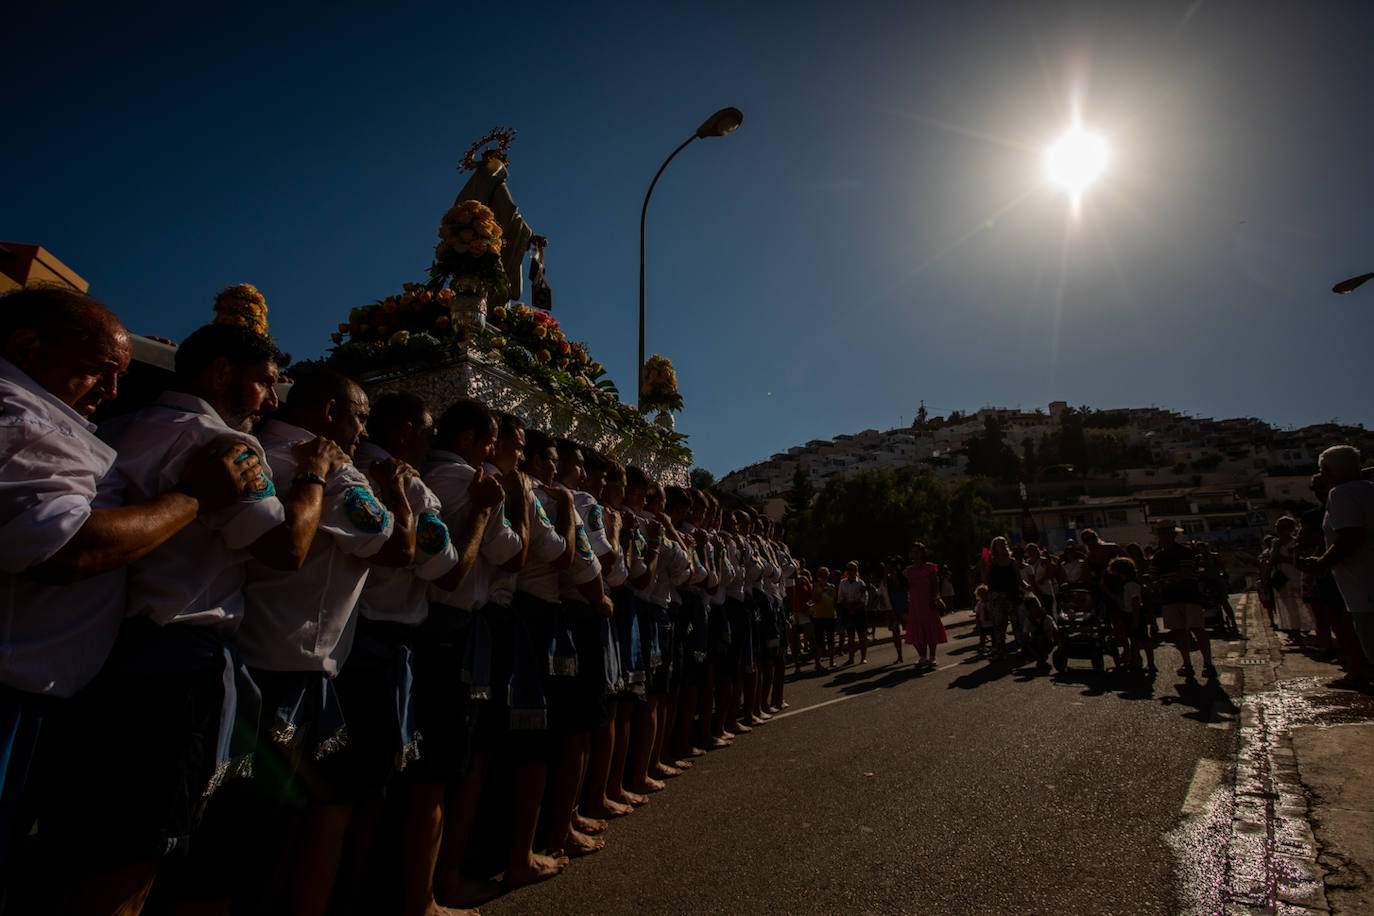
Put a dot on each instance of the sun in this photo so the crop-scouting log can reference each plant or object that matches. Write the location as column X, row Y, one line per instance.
column 1076, row 160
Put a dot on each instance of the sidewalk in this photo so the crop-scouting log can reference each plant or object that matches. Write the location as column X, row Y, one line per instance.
column 1318, row 772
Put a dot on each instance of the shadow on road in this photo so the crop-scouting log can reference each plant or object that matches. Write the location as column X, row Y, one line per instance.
column 992, row 671
column 1209, row 702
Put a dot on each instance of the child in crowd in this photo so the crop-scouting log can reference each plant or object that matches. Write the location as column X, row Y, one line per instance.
column 823, row 616
column 1122, row 572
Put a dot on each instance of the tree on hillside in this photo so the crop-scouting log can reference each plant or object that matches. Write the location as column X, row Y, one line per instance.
column 702, row 479
column 798, row 498
column 1104, row 449
column 989, row 455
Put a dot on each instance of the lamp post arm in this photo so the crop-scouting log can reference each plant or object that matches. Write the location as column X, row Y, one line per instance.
column 643, row 216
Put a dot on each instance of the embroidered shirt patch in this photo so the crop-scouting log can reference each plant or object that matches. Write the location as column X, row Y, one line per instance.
column 363, row 510
column 594, row 520
column 584, row 546
column 431, row 534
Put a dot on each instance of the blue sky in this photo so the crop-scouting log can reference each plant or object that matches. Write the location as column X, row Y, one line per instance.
column 877, row 233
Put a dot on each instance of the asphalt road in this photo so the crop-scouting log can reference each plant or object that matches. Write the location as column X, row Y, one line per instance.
column 969, row 789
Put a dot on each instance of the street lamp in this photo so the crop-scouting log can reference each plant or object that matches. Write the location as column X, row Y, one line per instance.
column 1348, row 286
column 718, row 125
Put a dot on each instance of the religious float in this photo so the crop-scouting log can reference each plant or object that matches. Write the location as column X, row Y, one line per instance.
column 463, row 333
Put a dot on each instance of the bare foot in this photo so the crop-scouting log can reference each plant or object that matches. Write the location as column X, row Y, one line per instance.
column 663, row 771
column 435, row 909
column 686, row 753
column 727, row 736
column 716, row 744
column 459, row 891
column 609, row 809
column 589, row 825
column 650, row 785
column 540, row 868
column 742, row 729
column 579, row 844
column 634, row 799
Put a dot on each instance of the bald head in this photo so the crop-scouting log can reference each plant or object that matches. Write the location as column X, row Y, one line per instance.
column 67, row 342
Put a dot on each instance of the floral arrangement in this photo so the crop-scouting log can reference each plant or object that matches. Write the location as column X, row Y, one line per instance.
column 408, row 328
column 468, row 256
column 658, row 385
column 242, row 304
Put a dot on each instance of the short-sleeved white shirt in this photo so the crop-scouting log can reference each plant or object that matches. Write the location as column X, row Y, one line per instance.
column 585, row 566
column 538, row 576
column 305, row 620
column 53, row 639
column 197, row 575
column 1351, row 505
column 449, row 476
column 402, row 595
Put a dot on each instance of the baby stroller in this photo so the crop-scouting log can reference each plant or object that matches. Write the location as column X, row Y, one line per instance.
column 1085, row 627
column 1216, row 605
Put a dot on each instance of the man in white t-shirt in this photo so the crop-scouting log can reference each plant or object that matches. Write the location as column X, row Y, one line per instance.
column 169, row 694
column 299, row 626
column 63, row 548
column 1349, row 529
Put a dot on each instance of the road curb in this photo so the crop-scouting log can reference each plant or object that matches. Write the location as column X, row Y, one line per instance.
column 1272, row 856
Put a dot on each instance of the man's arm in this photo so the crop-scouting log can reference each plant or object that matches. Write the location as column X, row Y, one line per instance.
column 390, row 477
column 485, row 494
column 567, row 526
column 285, row 546
column 1347, row 541
column 115, row 537
column 517, row 490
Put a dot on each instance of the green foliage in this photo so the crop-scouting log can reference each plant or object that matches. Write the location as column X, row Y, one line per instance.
column 878, row 513
column 1207, row 462
column 798, row 498
column 990, row 456
column 1104, row 450
column 702, row 479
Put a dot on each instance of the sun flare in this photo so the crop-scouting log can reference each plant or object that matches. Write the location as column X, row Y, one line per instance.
column 1076, row 160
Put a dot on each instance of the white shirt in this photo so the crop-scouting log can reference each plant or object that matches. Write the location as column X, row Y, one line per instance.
column 585, row 568
column 305, row 620
column 53, row 639
column 613, row 573
column 402, row 595
column 538, row 577
column 674, row 568
column 733, row 571
column 850, row 591
column 1351, row 505
column 197, row 575
column 449, row 476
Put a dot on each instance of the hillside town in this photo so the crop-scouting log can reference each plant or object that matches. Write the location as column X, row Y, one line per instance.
column 1075, row 468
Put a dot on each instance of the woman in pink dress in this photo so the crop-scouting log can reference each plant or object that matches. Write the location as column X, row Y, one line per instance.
column 924, row 629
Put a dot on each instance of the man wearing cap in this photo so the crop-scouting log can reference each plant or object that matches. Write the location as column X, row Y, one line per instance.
column 1174, row 571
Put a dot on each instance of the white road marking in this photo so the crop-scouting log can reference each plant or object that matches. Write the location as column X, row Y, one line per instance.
column 1206, row 778
column 797, row 712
